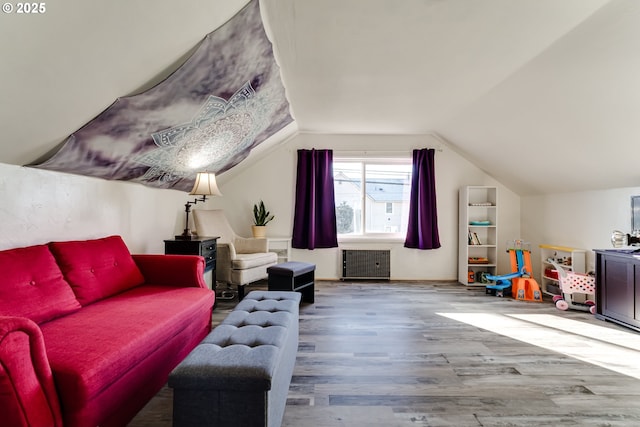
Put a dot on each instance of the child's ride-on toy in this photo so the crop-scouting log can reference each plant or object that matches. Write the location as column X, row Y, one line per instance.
column 520, row 283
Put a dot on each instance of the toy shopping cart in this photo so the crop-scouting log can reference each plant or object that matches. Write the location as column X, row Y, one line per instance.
column 577, row 290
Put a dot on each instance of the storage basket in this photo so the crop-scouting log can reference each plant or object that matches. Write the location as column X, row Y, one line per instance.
column 551, row 273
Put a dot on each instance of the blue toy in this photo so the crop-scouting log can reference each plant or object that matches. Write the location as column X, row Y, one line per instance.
column 502, row 283
column 520, row 267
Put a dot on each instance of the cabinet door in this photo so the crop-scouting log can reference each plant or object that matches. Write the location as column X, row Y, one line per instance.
column 619, row 292
column 636, row 281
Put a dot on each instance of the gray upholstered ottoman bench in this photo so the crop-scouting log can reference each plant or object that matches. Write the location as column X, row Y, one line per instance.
column 239, row 375
column 293, row 276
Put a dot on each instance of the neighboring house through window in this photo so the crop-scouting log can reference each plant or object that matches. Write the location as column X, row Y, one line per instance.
column 372, row 196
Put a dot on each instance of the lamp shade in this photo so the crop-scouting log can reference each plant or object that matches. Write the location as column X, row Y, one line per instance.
column 205, row 185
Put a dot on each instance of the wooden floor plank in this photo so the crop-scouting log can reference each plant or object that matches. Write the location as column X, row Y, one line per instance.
column 422, row 354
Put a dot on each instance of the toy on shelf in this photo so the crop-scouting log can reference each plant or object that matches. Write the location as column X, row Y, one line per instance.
column 519, row 282
column 577, row 290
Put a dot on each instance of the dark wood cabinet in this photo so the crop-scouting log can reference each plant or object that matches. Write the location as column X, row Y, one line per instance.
column 203, row 246
column 618, row 287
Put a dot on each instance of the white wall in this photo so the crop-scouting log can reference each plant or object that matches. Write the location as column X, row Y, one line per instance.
column 583, row 220
column 272, row 179
column 41, row 206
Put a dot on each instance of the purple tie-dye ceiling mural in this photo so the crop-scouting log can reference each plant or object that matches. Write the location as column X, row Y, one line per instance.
column 207, row 116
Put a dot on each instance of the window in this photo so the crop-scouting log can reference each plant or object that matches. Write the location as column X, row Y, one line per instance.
column 372, row 196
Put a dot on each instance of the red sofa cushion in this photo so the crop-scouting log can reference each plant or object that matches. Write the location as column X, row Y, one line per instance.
column 93, row 350
column 33, row 286
column 97, row 269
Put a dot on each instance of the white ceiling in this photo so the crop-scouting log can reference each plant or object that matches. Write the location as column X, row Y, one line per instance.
column 542, row 94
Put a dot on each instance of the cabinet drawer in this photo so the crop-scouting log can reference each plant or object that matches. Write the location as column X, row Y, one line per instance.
column 210, row 262
column 204, row 248
column 208, row 251
column 207, row 248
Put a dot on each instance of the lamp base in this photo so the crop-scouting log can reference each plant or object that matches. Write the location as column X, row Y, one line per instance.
column 181, row 237
column 187, row 235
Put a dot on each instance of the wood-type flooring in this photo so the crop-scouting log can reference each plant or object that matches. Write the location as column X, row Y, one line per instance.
column 391, row 354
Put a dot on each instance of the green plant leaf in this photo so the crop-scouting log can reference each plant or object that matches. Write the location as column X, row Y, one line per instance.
column 261, row 216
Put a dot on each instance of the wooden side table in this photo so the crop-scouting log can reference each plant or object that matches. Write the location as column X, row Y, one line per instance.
column 204, row 246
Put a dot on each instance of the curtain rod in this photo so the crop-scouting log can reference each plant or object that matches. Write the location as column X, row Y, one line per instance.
column 382, row 152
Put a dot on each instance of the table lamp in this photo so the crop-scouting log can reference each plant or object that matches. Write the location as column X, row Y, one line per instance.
column 205, row 185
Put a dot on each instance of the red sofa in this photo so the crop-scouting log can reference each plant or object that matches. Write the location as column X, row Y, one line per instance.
column 89, row 333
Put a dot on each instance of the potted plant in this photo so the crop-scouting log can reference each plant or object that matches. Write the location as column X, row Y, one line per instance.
column 261, row 217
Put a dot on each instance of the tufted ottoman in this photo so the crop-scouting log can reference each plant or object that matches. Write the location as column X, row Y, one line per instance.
column 239, row 375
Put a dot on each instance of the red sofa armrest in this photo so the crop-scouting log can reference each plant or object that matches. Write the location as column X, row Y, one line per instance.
column 27, row 392
column 172, row 270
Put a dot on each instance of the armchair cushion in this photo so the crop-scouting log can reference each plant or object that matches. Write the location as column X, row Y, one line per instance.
column 249, row 245
column 246, row 261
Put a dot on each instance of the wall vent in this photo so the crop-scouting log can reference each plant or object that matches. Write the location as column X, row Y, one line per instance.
column 366, row 264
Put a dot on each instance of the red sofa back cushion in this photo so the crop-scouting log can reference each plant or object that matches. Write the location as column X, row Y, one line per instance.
column 97, row 269
column 32, row 285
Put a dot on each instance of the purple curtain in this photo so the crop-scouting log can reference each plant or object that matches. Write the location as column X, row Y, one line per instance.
column 314, row 222
column 422, row 229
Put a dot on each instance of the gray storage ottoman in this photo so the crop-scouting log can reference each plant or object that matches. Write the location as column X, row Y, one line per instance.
column 239, row 375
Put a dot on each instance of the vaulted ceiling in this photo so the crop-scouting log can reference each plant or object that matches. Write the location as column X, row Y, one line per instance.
column 542, row 94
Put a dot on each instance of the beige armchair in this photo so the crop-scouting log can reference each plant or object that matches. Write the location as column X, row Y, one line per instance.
column 239, row 260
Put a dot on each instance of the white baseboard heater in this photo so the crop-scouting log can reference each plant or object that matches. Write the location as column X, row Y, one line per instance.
column 366, row 264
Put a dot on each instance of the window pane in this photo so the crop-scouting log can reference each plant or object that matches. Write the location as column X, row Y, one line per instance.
column 387, row 197
column 347, row 178
column 372, row 196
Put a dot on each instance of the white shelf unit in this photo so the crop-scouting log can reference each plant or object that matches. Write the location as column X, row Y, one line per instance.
column 477, row 204
column 570, row 259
